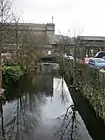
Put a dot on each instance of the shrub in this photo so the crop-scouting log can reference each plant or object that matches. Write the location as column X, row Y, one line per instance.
column 11, row 75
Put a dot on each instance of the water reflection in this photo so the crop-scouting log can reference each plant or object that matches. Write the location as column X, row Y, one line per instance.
column 2, row 133
column 43, row 110
column 69, row 125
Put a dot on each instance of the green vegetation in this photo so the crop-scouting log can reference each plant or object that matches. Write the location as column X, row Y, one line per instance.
column 14, row 70
column 11, row 75
column 90, row 82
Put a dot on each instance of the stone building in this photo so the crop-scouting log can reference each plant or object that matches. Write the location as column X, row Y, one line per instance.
column 41, row 36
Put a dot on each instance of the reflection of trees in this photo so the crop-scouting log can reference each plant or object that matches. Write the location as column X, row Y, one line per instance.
column 43, row 83
column 21, row 123
column 31, row 83
column 68, row 129
column 2, row 133
column 37, row 83
column 62, row 95
column 63, row 92
column 24, row 118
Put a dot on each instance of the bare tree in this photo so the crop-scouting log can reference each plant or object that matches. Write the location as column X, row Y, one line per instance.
column 28, row 45
column 71, row 43
column 5, row 18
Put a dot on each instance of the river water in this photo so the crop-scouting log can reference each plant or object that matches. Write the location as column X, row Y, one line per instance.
column 41, row 108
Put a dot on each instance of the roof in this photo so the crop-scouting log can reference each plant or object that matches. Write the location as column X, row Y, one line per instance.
column 100, row 38
column 30, row 26
column 26, row 23
column 56, row 39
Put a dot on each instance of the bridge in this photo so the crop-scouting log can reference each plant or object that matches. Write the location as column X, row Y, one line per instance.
column 50, row 59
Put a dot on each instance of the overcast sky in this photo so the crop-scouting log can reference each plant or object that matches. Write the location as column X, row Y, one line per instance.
column 84, row 17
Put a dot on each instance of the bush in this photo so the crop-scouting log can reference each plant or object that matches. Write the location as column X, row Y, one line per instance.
column 11, row 75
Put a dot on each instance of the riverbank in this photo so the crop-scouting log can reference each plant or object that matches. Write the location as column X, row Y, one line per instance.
column 41, row 107
column 94, row 124
column 90, row 82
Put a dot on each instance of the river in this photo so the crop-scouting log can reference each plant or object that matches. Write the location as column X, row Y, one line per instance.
column 41, row 108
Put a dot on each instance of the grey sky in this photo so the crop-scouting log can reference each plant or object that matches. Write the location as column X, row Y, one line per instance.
column 86, row 16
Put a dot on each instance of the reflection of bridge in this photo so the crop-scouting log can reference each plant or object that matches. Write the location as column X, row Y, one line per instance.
column 48, row 64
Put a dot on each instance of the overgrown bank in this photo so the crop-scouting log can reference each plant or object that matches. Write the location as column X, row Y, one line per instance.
column 12, row 74
column 90, row 83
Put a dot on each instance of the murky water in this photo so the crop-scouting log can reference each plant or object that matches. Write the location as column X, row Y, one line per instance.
column 43, row 110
